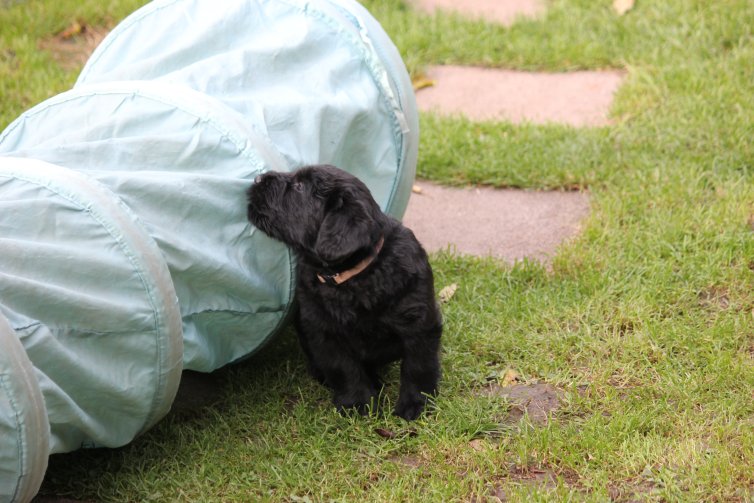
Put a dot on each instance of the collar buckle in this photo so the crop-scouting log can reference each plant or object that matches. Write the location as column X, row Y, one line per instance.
column 328, row 279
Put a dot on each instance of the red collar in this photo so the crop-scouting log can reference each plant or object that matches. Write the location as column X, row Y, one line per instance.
column 344, row 276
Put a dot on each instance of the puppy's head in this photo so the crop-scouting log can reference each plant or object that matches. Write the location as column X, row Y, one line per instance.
column 322, row 212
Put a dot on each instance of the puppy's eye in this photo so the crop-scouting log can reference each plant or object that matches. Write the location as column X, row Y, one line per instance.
column 298, row 186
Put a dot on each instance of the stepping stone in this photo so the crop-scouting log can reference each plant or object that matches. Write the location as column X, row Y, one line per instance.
column 507, row 224
column 580, row 98
column 504, row 12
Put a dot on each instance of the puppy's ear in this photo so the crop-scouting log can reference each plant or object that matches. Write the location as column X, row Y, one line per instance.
column 348, row 226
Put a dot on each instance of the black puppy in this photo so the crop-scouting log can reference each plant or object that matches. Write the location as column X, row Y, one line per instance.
column 365, row 287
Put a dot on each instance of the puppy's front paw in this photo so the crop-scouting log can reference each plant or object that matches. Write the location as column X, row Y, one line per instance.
column 363, row 403
column 410, row 408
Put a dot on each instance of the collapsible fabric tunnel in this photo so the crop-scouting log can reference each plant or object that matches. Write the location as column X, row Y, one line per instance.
column 181, row 161
column 319, row 77
column 94, row 315
column 24, row 431
column 125, row 253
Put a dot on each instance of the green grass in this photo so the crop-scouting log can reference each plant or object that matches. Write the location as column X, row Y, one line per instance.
column 645, row 322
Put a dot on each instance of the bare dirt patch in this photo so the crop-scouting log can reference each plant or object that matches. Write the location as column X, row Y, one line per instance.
column 538, row 401
column 72, row 47
column 407, row 461
column 507, row 224
column 714, row 298
column 634, row 492
column 576, row 98
column 542, row 478
column 504, row 12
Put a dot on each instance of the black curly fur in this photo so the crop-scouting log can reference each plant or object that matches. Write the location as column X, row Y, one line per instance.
column 386, row 313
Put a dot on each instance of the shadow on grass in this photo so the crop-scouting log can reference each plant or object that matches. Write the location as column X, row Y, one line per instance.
column 264, row 381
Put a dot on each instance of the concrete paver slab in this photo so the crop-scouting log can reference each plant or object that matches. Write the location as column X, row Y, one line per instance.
column 507, row 224
column 505, row 12
column 580, row 98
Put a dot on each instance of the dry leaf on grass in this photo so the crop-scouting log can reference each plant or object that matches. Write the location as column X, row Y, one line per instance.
column 623, row 6
column 75, row 29
column 385, row 433
column 509, row 377
column 447, row 293
column 421, row 82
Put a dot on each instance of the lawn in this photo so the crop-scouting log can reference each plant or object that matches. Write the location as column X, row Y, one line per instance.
column 644, row 325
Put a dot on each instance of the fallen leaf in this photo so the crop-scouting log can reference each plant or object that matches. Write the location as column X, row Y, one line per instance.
column 509, row 377
column 447, row 293
column 75, row 29
column 385, row 433
column 623, row 6
column 416, row 189
column 421, row 82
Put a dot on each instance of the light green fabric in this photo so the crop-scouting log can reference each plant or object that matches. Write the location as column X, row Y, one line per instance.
column 24, row 430
column 182, row 162
column 320, row 78
column 89, row 297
